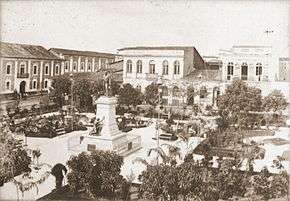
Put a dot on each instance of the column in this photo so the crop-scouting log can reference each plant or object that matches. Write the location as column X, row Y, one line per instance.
column 93, row 64
column 79, row 64
column 70, row 64
column 51, row 68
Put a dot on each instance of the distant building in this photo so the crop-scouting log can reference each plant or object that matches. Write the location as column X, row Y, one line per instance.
column 83, row 61
column 26, row 69
column 212, row 62
column 249, row 63
column 178, row 68
column 284, row 69
column 117, row 70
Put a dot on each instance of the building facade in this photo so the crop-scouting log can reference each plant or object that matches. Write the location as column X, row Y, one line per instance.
column 248, row 63
column 26, row 69
column 284, row 69
column 178, row 68
column 75, row 61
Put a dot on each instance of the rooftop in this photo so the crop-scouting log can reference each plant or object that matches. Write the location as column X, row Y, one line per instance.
column 284, row 59
column 81, row 53
column 13, row 50
column 157, row 48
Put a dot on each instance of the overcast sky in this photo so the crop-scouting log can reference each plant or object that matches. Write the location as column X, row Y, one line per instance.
column 109, row 25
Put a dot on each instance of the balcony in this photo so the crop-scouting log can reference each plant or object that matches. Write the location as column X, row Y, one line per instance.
column 151, row 76
column 244, row 77
column 22, row 75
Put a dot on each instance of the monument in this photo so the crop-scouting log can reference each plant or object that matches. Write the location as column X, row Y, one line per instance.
column 106, row 135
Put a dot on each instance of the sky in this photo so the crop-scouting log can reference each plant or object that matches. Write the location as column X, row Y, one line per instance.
column 106, row 26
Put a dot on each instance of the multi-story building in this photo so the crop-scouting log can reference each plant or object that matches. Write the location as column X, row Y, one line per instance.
column 26, row 68
column 249, row 63
column 284, row 69
column 178, row 67
column 212, row 62
column 83, row 61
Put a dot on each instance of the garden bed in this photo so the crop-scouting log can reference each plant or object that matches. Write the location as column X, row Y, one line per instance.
column 260, row 132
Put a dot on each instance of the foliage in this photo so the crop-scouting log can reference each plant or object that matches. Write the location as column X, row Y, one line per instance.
column 238, row 101
column 190, row 95
column 98, row 173
column 275, row 101
column 152, row 94
column 14, row 158
column 60, row 85
column 128, row 95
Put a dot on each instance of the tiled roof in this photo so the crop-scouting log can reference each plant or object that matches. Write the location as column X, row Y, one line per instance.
column 12, row 50
column 81, row 53
column 207, row 75
column 157, row 48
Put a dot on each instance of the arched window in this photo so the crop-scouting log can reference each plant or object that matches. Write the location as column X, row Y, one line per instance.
column 165, row 67
column 164, row 91
column 139, row 66
column 230, row 70
column 176, row 67
column 175, row 91
column 75, row 64
column 129, row 66
column 57, row 69
column 8, row 69
column 203, row 92
column 46, row 71
column 82, row 65
column 89, row 66
column 8, row 85
column 244, row 71
column 66, row 65
column 151, row 67
column 34, row 69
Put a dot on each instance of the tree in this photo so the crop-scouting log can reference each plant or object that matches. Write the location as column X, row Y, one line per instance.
column 60, row 85
column 171, row 157
column 128, row 95
column 275, row 102
column 238, row 101
column 14, row 158
column 152, row 94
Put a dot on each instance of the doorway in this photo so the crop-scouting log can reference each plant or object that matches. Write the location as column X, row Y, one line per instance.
column 244, row 72
column 22, row 88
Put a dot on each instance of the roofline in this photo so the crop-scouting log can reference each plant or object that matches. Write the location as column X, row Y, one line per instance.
column 82, row 51
column 43, row 58
column 156, row 48
column 251, row 46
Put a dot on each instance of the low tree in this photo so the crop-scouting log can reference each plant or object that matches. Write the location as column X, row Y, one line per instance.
column 238, row 101
column 128, row 95
column 60, row 85
column 152, row 94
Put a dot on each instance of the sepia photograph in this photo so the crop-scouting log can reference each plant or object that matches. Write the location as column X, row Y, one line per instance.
column 140, row 100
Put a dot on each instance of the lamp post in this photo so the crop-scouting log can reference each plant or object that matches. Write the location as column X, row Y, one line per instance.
column 72, row 101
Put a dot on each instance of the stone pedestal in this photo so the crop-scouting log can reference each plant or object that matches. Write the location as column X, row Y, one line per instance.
column 110, row 137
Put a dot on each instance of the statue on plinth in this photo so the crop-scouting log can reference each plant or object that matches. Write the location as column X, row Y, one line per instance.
column 107, row 83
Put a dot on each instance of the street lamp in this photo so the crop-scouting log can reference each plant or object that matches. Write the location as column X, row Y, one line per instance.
column 72, row 101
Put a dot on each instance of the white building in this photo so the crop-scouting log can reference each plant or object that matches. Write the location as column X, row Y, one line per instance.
column 178, row 67
column 249, row 63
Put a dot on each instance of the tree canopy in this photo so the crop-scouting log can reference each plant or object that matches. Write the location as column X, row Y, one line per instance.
column 275, row 102
column 128, row 95
column 151, row 94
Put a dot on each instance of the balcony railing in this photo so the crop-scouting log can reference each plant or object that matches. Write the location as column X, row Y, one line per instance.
column 244, row 77
column 22, row 75
column 151, row 76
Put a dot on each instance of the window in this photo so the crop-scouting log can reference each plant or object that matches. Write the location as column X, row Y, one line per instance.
column 203, row 92
column 103, row 63
column 66, row 65
column 34, row 84
column 164, row 91
column 151, row 67
column 230, row 70
column 75, row 64
column 89, row 66
column 22, row 68
column 57, row 69
column 129, row 66
column 82, row 65
column 8, row 85
column 8, row 69
column 45, row 84
column 34, row 69
column 165, row 67
column 175, row 91
column 139, row 66
column 46, row 72
column 176, row 67
column 244, row 71
column 96, row 64
column 258, row 69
